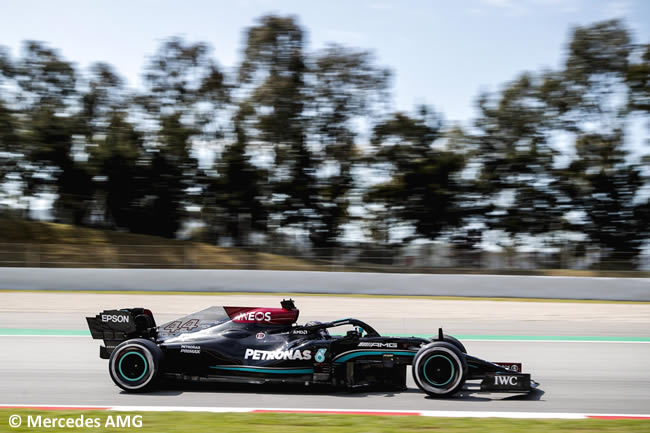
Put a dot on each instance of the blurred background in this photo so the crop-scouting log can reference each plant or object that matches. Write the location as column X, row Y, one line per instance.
column 485, row 136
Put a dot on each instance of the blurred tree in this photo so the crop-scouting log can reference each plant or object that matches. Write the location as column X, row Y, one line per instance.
column 603, row 187
column 638, row 80
column 185, row 90
column 121, row 173
column 46, row 99
column 103, row 95
column 9, row 141
column 113, row 146
column 424, row 188
column 56, row 161
column 288, row 155
column 585, row 97
column 346, row 87
column 516, row 161
column 272, row 76
column 10, row 147
column 235, row 195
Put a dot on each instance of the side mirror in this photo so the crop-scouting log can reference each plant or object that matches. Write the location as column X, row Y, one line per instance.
column 288, row 304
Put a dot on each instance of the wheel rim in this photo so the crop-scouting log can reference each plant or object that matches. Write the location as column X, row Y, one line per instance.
column 132, row 366
column 438, row 370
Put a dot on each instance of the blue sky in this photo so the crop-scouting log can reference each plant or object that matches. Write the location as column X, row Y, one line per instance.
column 442, row 53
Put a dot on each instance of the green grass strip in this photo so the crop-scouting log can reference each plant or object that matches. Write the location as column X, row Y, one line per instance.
column 298, row 423
column 44, row 332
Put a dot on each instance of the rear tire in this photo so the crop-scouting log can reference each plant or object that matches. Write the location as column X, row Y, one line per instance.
column 134, row 365
column 440, row 369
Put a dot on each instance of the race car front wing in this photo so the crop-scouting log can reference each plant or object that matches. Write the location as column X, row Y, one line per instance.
column 500, row 376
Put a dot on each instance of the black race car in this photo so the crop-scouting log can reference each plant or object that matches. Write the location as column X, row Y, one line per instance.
column 262, row 345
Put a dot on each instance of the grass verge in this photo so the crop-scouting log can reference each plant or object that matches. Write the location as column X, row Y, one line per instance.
column 46, row 244
column 297, row 423
column 27, row 243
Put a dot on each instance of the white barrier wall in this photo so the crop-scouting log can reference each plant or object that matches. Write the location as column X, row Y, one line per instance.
column 626, row 289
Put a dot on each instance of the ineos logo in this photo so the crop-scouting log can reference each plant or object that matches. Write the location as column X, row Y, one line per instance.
column 505, row 380
column 255, row 316
column 115, row 318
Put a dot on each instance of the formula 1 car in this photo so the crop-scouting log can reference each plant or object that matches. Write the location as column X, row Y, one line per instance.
column 264, row 345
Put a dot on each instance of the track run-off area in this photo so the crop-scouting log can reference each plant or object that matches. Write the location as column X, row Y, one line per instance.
column 590, row 358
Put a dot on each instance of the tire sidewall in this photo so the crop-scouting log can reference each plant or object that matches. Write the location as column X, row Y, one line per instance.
column 149, row 351
column 453, row 355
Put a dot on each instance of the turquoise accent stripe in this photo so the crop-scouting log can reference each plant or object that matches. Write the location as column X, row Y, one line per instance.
column 533, row 338
column 34, row 332
column 453, row 370
column 267, row 370
column 349, row 356
column 143, row 360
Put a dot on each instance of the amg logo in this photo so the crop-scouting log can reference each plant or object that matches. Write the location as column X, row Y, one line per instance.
column 267, row 355
column 115, row 318
column 506, row 380
column 371, row 344
column 254, row 316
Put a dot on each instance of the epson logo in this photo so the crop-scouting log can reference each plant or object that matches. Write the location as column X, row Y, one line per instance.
column 505, row 380
column 115, row 318
column 254, row 316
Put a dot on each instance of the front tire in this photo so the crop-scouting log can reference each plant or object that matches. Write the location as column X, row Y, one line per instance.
column 134, row 365
column 440, row 369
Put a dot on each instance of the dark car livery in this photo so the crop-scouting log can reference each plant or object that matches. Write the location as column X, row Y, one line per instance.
column 261, row 345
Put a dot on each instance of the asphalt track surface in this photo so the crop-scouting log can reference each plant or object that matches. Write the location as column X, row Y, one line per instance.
column 591, row 377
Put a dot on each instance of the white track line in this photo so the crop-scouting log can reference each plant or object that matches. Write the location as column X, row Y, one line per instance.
column 426, row 413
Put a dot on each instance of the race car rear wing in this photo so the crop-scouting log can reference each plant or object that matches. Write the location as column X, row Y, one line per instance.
column 116, row 326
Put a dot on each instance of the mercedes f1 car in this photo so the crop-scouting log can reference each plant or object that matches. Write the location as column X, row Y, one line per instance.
column 263, row 345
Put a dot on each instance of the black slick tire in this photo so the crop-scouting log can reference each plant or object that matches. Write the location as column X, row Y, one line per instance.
column 440, row 369
column 134, row 365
